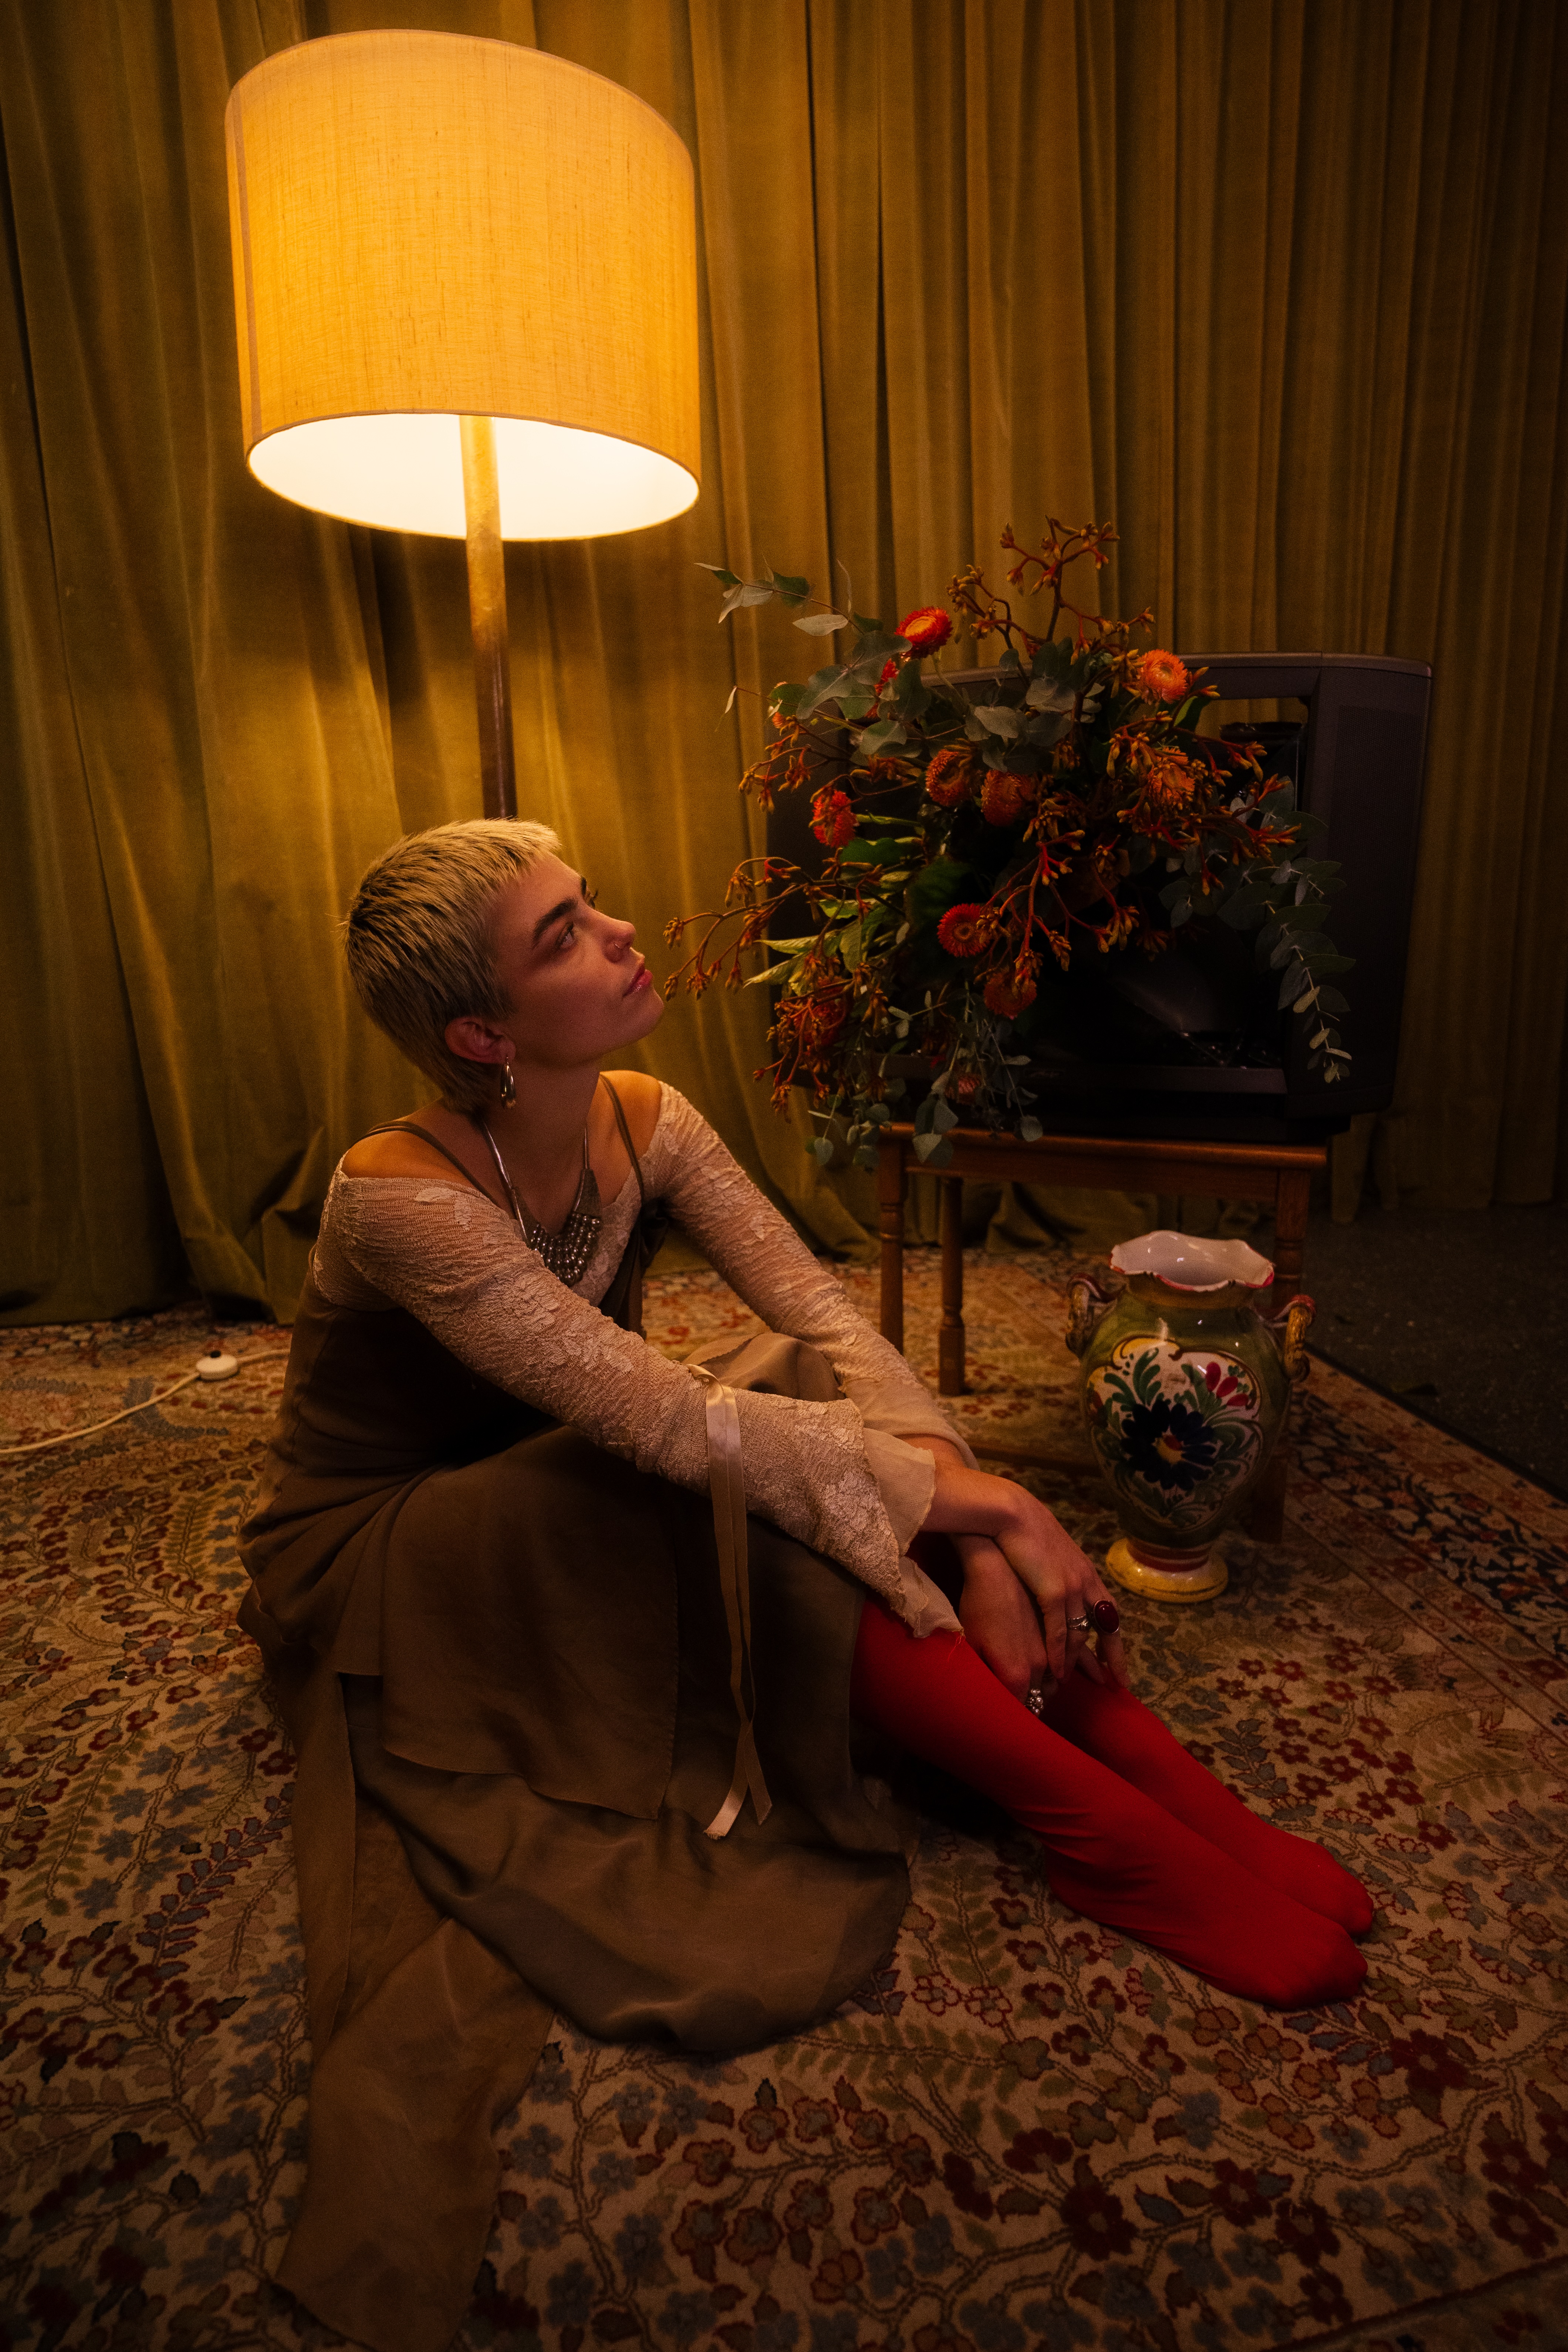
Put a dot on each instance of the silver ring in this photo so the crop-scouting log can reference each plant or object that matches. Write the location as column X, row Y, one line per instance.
column 1084, row 1624
column 1035, row 1700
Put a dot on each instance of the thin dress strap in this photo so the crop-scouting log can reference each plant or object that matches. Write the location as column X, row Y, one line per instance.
column 406, row 1127
column 627, row 1138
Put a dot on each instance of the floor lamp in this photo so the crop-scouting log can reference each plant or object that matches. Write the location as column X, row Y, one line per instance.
column 466, row 287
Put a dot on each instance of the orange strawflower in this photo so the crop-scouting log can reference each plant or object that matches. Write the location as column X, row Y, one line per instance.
column 1004, row 797
column 949, row 776
column 926, row 628
column 1007, row 992
column 1161, row 676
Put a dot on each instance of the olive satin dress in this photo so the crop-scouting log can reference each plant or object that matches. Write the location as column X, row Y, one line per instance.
column 503, row 1656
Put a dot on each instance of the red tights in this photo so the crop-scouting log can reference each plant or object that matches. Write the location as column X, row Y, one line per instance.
column 1137, row 1835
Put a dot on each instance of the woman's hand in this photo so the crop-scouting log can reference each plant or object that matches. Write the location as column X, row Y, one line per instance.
column 999, row 1619
column 993, row 1519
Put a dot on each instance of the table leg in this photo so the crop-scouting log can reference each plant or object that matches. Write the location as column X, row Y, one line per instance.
column 1289, row 1235
column 891, row 1188
column 950, row 1339
column 1266, row 1522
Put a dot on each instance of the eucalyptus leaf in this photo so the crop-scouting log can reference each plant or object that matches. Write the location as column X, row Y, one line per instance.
column 867, row 1157
column 943, row 1115
column 725, row 579
column 821, row 1150
column 886, row 732
column 1292, row 985
column 932, row 1151
column 998, row 718
column 788, row 586
column 823, row 625
column 746, row 593
column 1030, row 1130
column 868, row 627
column 1046, row 693
column 1053, row 659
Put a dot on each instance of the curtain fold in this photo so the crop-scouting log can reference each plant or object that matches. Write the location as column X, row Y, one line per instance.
column 1282, row 288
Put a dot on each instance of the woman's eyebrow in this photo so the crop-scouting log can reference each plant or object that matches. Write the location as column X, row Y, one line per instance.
column 553, row 914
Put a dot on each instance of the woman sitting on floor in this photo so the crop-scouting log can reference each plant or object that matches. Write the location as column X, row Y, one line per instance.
column 561, row 1740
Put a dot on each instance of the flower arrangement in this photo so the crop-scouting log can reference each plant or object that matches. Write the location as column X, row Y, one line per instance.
column 978, row 838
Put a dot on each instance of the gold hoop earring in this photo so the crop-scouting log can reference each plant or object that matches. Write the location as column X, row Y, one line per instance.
column 508, row 1086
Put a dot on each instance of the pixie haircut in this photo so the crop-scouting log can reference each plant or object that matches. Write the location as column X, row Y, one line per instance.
column 420, row 938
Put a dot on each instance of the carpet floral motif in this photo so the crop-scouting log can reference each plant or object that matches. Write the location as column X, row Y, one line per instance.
column 1024, row 2132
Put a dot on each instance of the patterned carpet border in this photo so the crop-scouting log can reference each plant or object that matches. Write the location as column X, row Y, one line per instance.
column 1025, row 2133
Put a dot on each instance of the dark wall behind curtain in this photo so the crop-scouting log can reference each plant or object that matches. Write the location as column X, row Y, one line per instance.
column 1279, row 286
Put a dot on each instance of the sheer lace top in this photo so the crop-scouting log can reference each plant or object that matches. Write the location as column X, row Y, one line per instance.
column 837, row 1475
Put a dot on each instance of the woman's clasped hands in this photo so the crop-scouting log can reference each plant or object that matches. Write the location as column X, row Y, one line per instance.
column 1030, row 1595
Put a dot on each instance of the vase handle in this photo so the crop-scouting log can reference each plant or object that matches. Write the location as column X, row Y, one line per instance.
column 1086, row 1304
column 1289, row 1330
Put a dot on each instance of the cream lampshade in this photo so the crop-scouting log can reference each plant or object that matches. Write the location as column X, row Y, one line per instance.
column 464, row 282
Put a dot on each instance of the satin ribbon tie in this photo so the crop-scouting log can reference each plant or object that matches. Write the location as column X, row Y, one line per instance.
column 727, row 1488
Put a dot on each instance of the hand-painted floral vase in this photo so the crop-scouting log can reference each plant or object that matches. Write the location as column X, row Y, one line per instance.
column 1186, row 1390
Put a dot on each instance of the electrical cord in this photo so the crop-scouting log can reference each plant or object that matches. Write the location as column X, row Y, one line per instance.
column 229, row 1365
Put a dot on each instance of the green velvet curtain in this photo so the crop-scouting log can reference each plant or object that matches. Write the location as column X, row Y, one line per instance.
column 1281, row 285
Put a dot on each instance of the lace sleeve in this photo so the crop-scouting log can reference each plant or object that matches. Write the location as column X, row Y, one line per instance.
column 458, row 1262
column 760, row 1255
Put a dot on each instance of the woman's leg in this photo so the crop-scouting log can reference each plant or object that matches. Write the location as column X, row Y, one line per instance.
column 1112, row 1853
column 1118, row 1729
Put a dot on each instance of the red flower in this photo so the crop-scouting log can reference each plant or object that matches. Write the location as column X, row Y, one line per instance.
column 966, row 931
column 949, row 777
column 833, row 818
column 1003, row 797
column 926, row 629
column 1162, row 677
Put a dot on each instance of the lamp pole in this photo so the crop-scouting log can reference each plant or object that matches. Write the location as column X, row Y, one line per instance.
column 487, row 612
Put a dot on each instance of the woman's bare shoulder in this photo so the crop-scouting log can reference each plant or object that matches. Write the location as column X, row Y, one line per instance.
column 400, row 1152
column 641, row 1099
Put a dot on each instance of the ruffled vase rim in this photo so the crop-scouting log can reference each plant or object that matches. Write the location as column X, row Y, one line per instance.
column 1193, row 1261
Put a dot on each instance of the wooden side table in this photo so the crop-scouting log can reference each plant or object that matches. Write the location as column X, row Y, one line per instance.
column 1279, row 1175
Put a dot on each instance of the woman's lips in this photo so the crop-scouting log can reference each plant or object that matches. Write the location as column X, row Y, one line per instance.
column 643, row 979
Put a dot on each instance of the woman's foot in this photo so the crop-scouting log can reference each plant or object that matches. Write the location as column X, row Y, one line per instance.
column 1120, row 1731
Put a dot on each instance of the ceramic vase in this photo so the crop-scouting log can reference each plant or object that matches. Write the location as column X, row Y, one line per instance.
column 1185, row 1389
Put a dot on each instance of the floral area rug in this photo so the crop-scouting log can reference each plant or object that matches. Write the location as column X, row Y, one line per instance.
column 1025, row 2133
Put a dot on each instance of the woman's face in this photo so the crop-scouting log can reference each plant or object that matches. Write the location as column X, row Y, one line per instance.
column 578, row 988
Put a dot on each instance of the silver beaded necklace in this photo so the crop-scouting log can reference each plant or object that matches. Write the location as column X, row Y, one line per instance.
column 567, row 1253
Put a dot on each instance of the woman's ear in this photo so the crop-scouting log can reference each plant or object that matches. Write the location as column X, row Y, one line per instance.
column 473, row 1040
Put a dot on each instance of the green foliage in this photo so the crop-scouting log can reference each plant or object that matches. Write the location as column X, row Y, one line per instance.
column 1069, row 807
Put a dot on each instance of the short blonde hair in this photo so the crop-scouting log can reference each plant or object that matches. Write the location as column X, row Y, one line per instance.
column 420, row 938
